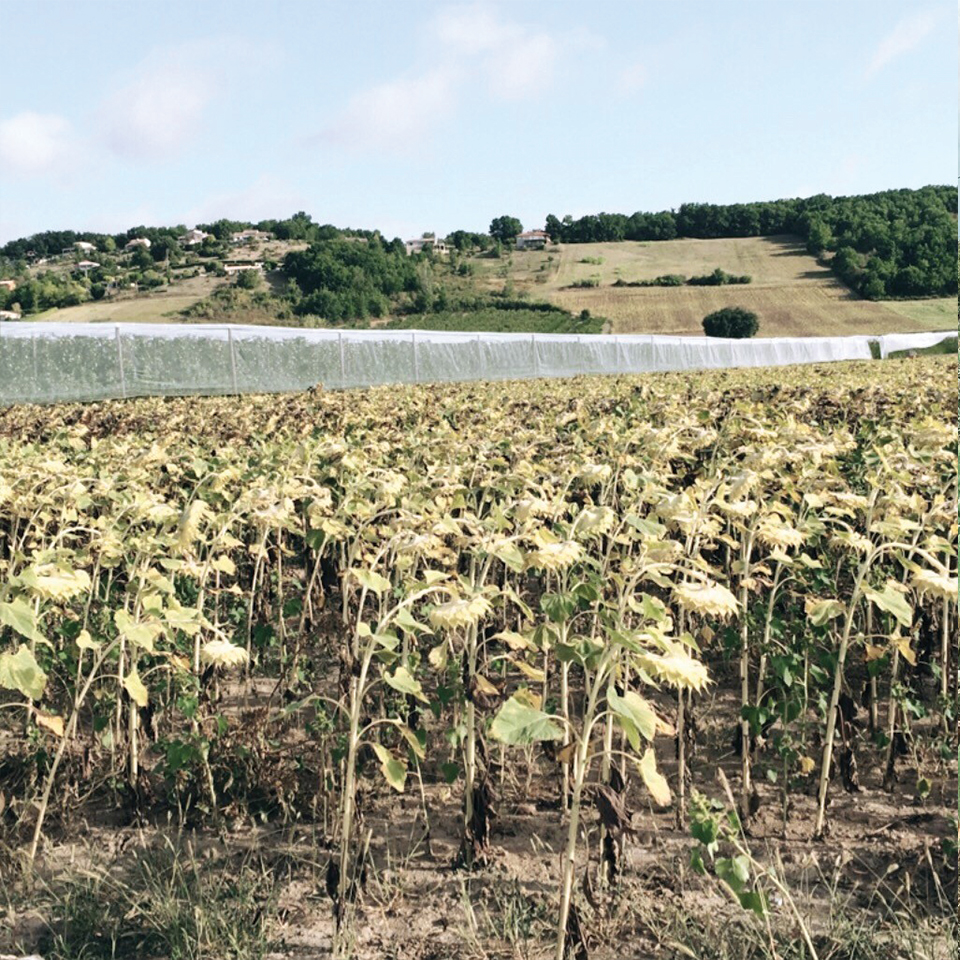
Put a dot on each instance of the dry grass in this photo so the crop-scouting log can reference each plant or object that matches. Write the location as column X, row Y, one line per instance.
column 160, row 307
column 792, row 294
column 936, row 314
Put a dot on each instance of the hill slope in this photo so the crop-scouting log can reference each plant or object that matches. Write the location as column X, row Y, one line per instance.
column 791, row 292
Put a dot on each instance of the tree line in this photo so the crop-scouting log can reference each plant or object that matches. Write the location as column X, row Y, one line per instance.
column 897, row 243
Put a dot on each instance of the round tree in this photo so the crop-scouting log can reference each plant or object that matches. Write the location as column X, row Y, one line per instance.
column 733, row 322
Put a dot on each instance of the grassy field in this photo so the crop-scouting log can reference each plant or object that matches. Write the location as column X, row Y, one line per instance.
column 149, row 308
column 936, row 314
column 792, row 294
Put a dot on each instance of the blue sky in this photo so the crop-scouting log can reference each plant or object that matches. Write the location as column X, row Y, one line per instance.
column 416, row 115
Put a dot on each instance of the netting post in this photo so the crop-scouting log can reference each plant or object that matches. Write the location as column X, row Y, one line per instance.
column 416, row 359
column 536, row 359
column 123, row 376
column 580, row 355
column 343, row 365
column 480, row 359
column 233, row 361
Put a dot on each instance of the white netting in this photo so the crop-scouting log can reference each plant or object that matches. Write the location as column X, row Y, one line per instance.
column 51, row 362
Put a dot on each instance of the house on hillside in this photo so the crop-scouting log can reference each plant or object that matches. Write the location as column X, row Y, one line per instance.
column 82, row 246
column 192, row 237
column 138, row 242
column 532, row 240
column 85, row 266
column 428, row 241
column 9, row 315
column 8, row 284
column 250, row 236
column 232, row 268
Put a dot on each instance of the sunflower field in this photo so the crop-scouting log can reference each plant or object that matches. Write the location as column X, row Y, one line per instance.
column 717, row 612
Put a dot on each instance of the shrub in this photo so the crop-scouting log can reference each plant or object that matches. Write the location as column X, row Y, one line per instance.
column 248, row 279
column 733, row 322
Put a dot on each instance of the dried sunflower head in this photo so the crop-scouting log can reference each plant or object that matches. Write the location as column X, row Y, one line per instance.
column 594, row 521
column 222, row 653
column 710, row 599
column 936, row 584
column 461, row 612
column 57, row 583
column 555, row 556
column 775, row 533
column 594, row 473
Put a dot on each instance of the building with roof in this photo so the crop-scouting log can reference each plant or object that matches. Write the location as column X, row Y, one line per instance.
column 428, row 241
column 532, row 240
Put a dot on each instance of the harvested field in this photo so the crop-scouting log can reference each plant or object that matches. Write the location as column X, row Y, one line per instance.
column 791, row 293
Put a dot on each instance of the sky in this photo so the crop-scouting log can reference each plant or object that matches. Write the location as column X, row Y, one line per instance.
column 414, row 115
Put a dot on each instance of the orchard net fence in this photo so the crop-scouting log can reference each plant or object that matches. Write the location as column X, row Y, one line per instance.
column 52, row 363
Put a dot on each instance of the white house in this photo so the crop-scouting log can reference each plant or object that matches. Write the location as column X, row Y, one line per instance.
column 232, row 268
column 192, row 237
column 138, row 242
column 532, row 240
column 9, row 315
column 8, row 284
column 87, row 265
column 81, row 246
column 250, row 236
column 427, row 241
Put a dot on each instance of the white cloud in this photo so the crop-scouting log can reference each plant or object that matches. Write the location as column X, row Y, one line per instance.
column 36, row 143
column 524, row 67
column 518, row 60
column 395, row 114
column 154, row 116
column 908, row 34
column 469, row 46
column 266, row 198
column 632, row 79
column 159, row 106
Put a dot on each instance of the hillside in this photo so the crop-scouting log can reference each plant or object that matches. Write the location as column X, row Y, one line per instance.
column 791, row 292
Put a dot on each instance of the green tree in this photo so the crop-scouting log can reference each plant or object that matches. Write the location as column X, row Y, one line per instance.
column 141, row 259
column 734, row 322
column 248, row 279
column 505, row 229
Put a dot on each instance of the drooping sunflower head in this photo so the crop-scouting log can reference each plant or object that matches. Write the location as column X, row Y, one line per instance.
column 936, row 584
column 709, row 599
column 459, row 612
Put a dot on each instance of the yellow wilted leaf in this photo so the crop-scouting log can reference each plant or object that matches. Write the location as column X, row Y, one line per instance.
column 51, row 723
column 807, row 765
column 190, row 521
column 20, row 671
column 394, row 770
column 528, row 697
column 135, row 688
column 438, row 657
column 906, row 651
column 653, row 780
column 225, row 565
column 515, row 641
column 532, row 672
column 86, row 642
column 874, row 652
column 486, row 687
column 141, row 634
